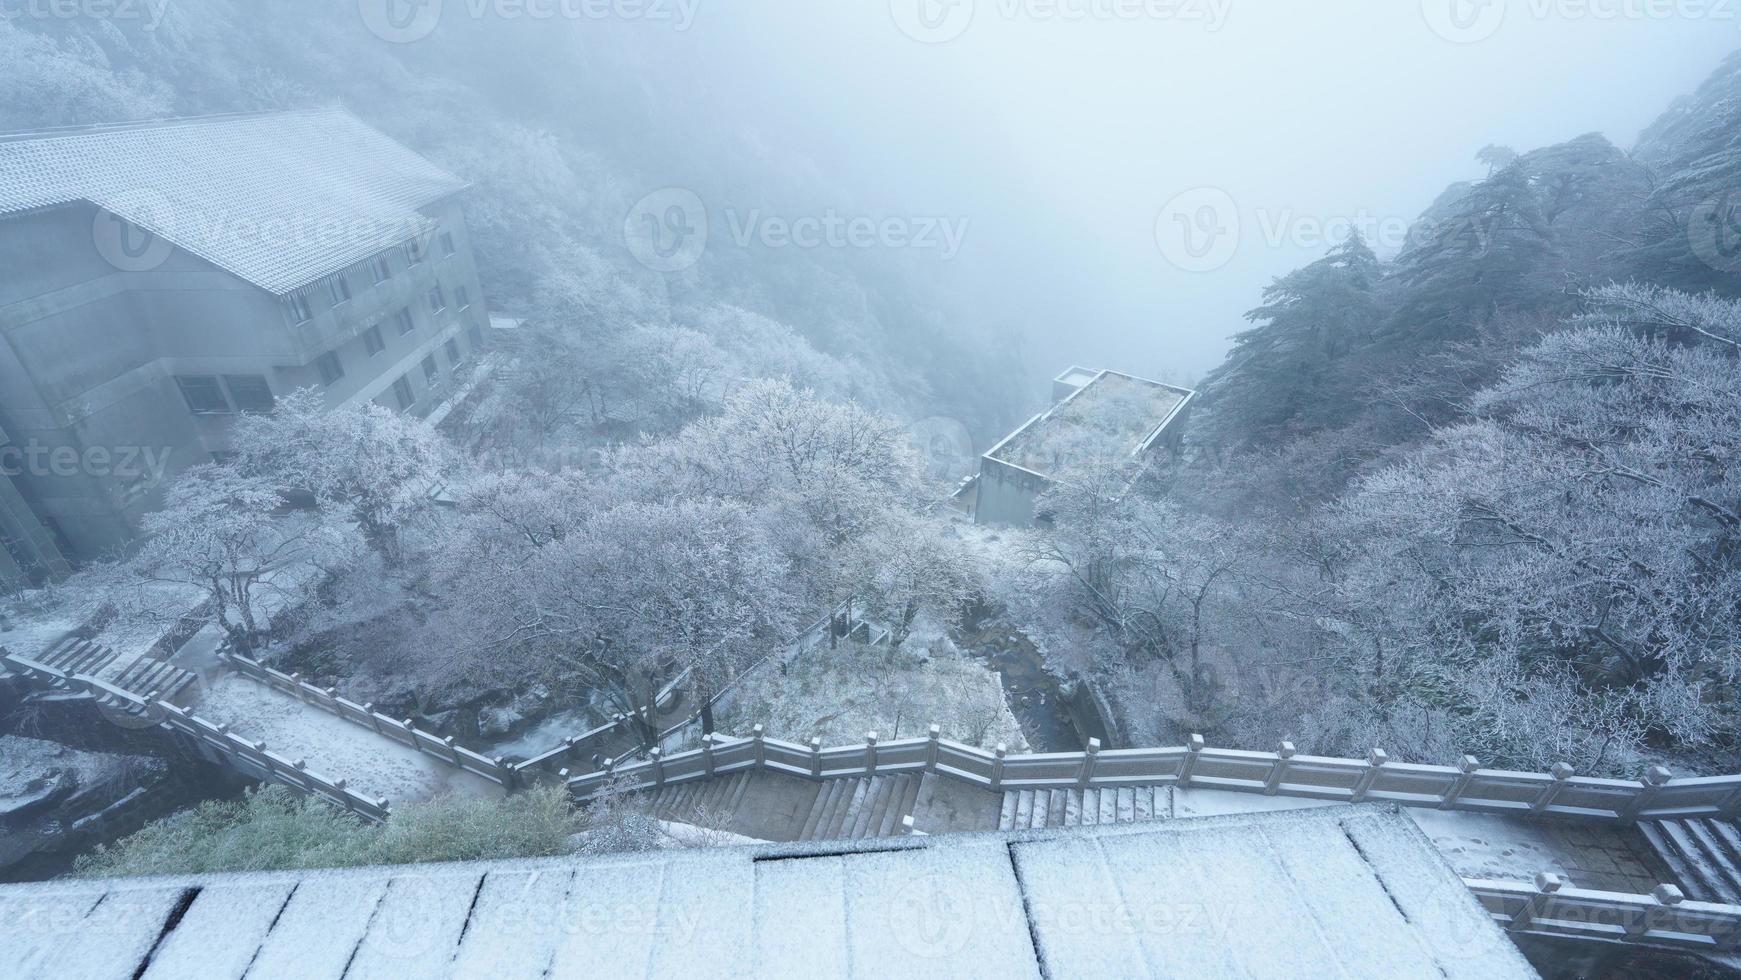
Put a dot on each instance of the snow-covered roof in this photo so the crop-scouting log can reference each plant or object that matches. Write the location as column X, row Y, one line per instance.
column 280, row 199
column 1119, row 411
column 1341, row 892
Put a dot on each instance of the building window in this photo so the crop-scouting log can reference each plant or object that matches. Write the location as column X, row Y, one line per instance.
column 453, row 356
column 372, row 341
column 339, row 289
column 402, row 392
column 447, row 243
column 476, row 336
column 382, row 271
column 299, row 309
column 437, row 300
column 249, row 393
column 203, row 393
column 404, row 321
column 414, row 251
column 429, row 368
column 463, row 298
column 330, row 368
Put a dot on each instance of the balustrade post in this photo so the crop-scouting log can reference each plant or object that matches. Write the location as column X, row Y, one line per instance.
column 1546, row 884
column 933, row 736
column 1663, row 899
column 997, row 767
column 510, row 776
column 870, row 753
column 816, row 757
column 1730, row 808
column 658, row 766
column 1193, row 751
column 1561, row 772
column 374, row 719
column 761, row 747
column 297, row 688
column 1655, row 778
column 1089, row 757
column 1278, row 769
column 452, row 750
column 1466, row 769
column 707, row 753
column 1375, row 761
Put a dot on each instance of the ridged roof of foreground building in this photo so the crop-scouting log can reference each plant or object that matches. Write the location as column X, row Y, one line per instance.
column 279, row 199
column 1334, row 892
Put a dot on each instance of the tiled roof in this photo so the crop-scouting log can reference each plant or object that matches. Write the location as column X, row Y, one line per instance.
column 279, row 199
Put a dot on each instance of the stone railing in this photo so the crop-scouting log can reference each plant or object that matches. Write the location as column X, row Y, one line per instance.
column 1550, row 907
column 1465, row 786
column 215, row 740
column 404, row 731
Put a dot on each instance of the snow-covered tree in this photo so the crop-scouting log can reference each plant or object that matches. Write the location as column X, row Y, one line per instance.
column 222, row 533
column 375, row 465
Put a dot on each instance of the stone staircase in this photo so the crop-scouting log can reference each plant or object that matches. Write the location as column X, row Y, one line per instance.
column 77, row 656
column 143, row 675
column 705, row 800
column 869, row 806
column 1705, row 855
column 1036, row 809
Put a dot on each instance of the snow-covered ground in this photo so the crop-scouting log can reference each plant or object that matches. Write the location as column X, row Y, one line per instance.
column 333, row 747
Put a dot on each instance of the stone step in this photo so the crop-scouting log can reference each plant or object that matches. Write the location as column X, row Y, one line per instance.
column 1698, row 852
column 818, row 806
column 1028, row 809
column 901, row 805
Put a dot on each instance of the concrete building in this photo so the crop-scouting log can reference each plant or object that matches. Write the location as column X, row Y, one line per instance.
column 1097, row 412
column 162, row 277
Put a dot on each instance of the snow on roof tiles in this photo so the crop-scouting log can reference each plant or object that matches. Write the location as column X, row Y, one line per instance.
column 1113, row 410
column 1333, row 892
column 279, row 199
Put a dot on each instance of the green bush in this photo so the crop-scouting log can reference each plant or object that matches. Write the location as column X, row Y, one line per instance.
column 272, row 828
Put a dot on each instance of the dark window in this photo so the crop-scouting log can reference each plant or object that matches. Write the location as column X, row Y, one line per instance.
column 437, row 300
column 299, row 309
column 339, row 289
column 414, row 251
column 453, row 352
column 203, row 393
column 405, row 322
column 330, row 368
column 463, row 298
column 402, row 392
column 476, row 336
column 447, row 243
column 372, row 341
column 429, row 368
column 378, row 265
column 249, row 392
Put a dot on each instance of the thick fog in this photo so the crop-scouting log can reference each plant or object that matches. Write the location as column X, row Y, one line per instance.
column 1062, row 134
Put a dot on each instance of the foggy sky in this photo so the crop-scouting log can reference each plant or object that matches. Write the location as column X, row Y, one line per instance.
column 1061, row 141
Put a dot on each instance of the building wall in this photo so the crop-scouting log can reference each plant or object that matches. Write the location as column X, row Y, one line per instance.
column 90, row 354
column 1006, row 494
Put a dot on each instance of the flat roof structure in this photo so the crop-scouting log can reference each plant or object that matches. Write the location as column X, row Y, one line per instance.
column 1312, row 893
column 1110, row 408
